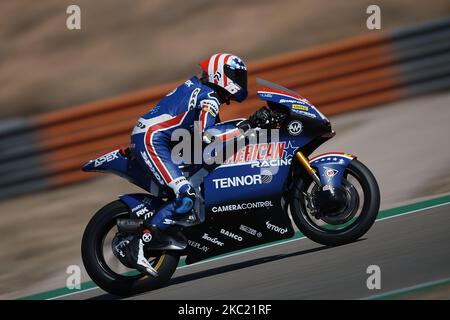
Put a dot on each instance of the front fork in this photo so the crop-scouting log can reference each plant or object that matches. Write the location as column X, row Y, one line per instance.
column 305, row 163
column 327, row 173
column 313, row 174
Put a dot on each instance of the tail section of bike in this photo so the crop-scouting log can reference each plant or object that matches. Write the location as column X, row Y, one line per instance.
column 121, row 162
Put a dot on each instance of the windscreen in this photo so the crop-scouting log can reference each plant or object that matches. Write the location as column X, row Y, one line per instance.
column 274, row 86
column 268, row 84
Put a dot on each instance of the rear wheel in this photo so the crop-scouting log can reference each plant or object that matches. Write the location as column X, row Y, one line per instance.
column 353, row 221
column 106, row 270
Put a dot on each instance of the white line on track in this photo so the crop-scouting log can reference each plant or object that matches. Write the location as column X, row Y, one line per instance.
column 408, row 289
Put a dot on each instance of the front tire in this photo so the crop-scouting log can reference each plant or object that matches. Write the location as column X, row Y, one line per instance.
column 349, row 233
column 95, row 263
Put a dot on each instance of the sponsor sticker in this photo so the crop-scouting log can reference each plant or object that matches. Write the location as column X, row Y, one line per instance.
column 251, row 231
column 289, row 100
column 231, row 235
column 248, row 180
column 262, row 155
column 276, row 228
column 266, row 176
column 210, row 106
column 295, row 127
column 243, row 206
column 306, row 114
column 330, row 173
column 138, row 207
column 193, row 98
column 212, row 240
column 147, row 237
column 106, row 158
column 300, row 107
column 142, row 211
column 198, row 246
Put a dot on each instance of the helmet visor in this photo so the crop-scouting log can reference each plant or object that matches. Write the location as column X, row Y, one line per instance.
column 238, row 76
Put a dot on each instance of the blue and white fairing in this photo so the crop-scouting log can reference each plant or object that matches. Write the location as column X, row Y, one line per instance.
column 259, row 175
column 141, row 205
column 256, row 172
column 116, row 162
column 242, row 202
column 297, row 104
column 331, row 167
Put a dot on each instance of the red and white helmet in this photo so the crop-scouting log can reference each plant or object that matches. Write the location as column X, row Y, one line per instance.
column 228, row 72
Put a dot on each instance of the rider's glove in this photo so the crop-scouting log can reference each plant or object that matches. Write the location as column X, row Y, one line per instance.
column 261, row 118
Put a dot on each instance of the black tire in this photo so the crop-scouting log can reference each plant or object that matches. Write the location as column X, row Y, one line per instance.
column 102, row 275
column 366, row 219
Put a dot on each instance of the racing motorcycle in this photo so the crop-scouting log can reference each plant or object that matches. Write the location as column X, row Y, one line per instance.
column 254, row 197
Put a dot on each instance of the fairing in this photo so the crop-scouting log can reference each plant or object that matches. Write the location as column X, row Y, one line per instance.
column 331, row 167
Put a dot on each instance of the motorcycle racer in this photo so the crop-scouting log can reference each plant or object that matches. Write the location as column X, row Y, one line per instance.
column 316, row 194
column 224, row 78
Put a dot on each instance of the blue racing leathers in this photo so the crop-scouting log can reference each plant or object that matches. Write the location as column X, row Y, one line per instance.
column 150, row 141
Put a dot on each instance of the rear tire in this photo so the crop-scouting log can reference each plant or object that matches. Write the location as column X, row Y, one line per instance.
column 102, row 275
column 334, row 238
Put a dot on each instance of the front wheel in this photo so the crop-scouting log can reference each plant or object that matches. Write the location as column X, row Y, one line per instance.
column 346, row 226
column 106, row 270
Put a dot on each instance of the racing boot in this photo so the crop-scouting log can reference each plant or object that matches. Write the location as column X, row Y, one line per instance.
column 129, row 248
column 133, row 251
column 154, row 233
column 134, row 255
column 176, row 212
column 185, row 200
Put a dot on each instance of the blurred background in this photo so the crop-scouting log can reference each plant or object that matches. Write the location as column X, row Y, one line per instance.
column 125, row 46
column 57, row 84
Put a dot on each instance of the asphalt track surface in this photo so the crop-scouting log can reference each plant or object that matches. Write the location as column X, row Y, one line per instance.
column 410, row 249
